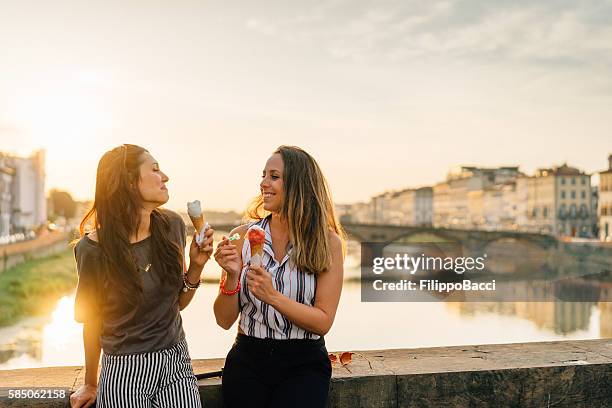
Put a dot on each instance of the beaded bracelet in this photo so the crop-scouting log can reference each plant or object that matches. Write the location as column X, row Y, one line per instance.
column 189, row 286
column 229, row 292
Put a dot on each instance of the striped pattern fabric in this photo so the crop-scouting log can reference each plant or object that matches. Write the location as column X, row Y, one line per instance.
column 157, row 379
column 258, row 319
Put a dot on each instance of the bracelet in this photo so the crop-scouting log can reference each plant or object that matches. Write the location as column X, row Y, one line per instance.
column 189, row 286
column 229, row 292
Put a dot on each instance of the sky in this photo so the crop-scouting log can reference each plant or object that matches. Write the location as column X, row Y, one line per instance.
column 385, row 95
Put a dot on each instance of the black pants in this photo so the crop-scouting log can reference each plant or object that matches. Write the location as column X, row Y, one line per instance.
column 276, row 373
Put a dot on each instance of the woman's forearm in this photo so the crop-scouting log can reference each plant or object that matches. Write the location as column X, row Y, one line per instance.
column 91, row 342
column 226, row 307
column 194, row 274
column 309, row 318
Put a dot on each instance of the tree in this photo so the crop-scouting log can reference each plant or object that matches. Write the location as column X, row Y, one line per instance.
column 62, row 203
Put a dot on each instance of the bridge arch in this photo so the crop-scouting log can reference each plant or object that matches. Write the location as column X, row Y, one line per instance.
column 541, row 242
column 354, row 236
column 468, row 239
column 426, row 234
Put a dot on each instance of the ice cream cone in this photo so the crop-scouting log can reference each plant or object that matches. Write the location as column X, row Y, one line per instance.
column 257, row 238
column 194, row 209
column 198, row 223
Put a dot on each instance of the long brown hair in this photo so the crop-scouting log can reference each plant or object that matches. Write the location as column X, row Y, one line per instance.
column 115, row 215
column 308, row 209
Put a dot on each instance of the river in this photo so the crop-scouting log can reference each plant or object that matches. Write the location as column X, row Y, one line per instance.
column 55, row 339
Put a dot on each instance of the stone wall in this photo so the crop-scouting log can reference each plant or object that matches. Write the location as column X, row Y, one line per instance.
column 559, row 374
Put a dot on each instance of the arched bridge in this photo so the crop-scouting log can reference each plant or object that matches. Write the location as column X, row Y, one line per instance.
column 471, row 240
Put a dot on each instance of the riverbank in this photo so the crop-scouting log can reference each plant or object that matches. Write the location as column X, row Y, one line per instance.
column 33, row 287
column 46, row 244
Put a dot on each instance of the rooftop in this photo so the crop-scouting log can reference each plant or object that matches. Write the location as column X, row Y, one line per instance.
column 563, row 170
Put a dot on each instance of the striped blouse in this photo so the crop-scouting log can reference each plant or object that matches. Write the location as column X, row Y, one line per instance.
column 258, row 319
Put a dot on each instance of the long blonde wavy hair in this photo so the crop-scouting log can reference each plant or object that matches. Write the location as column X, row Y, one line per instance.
column 308, row 209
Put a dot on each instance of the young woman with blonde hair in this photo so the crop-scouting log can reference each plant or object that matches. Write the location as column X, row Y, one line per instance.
column 286, row 305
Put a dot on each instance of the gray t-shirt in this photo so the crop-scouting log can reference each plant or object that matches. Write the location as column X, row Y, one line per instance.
column 155, row 324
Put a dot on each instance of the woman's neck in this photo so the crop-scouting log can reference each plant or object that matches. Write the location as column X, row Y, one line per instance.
column 279, row 224
column 144, row 226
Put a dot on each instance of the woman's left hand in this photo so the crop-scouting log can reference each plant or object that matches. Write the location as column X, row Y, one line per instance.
column 260, row 284
column 200, row 254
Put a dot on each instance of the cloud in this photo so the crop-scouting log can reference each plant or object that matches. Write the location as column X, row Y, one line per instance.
column 260, row 26
column 556, row 31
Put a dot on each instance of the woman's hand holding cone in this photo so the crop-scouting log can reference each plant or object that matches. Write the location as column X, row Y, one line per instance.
column 259, row 282
column 200, row 254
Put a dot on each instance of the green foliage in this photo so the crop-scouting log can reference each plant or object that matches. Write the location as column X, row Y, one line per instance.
column 33, row 286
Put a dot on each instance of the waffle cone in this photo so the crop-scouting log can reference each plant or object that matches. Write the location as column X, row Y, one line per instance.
column 198, row 223
column 257, row 249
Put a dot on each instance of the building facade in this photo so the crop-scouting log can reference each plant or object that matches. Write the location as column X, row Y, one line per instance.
column 23, row 205
column 559, row 202
column 468, row 197
column 357, row 213
column 410, row 207
column 604, row 202
column 423, row 206
column 441, row 205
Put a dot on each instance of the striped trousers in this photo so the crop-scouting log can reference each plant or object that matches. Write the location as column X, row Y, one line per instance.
column 161, row 378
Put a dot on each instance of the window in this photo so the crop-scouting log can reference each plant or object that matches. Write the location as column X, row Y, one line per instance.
column 562, row 212
column 573, row 180
column 562, row 180
column 584, row 211
column 562, row 194
column 573, row 194
column 582, row 194
column 545, row 212
column 583, row 181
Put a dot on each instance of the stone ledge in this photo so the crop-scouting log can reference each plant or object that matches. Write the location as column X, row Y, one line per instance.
column 560, row 374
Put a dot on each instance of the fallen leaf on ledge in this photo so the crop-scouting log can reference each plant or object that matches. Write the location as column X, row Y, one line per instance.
column 344, row 358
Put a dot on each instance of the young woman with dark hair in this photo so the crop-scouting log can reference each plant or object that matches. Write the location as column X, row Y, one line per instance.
column 286, row 305
column 133, row 282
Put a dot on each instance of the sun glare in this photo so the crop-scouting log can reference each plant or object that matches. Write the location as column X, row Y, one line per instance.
column 67, row 114
column 61, row 335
